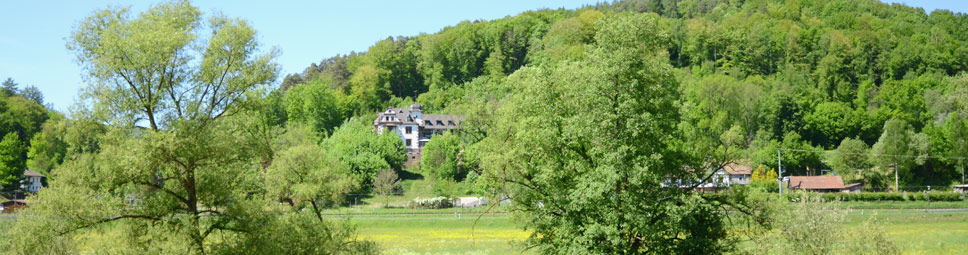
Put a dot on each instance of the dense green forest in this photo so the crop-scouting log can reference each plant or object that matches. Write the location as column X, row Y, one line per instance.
column 188, row 140
column 25, row 125
column 803, row 75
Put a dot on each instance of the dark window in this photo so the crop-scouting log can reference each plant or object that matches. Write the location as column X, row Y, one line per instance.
column 450, row 123
column 408, row 131
column 440, row 123
column 408, row 142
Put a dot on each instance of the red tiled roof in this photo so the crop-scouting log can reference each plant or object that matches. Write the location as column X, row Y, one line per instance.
column 736, row 169
column 816, row 182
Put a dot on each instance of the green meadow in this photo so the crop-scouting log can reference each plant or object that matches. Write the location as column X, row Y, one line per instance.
column 915, row 231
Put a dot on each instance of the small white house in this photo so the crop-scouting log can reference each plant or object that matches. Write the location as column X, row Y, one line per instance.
column 34, row 181
column 469, row 202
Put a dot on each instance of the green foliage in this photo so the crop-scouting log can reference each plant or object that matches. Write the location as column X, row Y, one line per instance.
column 441, row 157
column 586, row 144
column 851, row 160
column 956, row 132
column 304, row 173
column 193, row 173
column 298, row 233
column 810, row 226
column 11, row 161
column 386, row 183
column 316, row 105
column 364, row 152
column 893, row 149
column 9, row 87
column 48, row 148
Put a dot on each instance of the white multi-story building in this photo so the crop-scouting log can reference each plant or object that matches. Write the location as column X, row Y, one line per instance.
column 414, row 128
column 33, row 181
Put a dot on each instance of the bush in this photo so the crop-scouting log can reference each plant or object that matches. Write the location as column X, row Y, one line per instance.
column 431, row 203
column 945, row 196
column 864, row 197
column 934, row 196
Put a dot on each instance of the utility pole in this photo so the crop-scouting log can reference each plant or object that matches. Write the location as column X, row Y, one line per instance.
column 779, row 176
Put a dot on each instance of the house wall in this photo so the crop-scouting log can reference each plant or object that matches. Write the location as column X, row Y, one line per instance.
column 35, row 184
column 413, row 136
column 739, row 179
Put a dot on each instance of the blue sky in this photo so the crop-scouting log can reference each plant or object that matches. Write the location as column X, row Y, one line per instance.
column 32, row 33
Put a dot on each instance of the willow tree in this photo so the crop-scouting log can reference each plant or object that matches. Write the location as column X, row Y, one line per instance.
column 171, row 171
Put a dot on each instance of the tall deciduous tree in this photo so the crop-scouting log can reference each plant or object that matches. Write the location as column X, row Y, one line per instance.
column 181, row 76
column 365, row 153
column 957, row 132
column 892, row 149
column 11, row 160
column 585, row 147
column 304, row 174
column 852, row 159
column 439, row 157
column 386, row 183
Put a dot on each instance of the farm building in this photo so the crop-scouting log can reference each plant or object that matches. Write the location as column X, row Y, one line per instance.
column 821, row 184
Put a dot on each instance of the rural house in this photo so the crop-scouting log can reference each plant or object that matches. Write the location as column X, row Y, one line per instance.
column 415, row 128
column 739, row 174
column 33, row 181
column 821, row 184
column 728, row 175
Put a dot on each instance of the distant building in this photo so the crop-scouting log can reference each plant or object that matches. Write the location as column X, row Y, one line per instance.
column 960, row 188
column 739, row 174
column 821, row 184
column 12, row 206
column 728, row 175
column 414, row 128
column 33, row 181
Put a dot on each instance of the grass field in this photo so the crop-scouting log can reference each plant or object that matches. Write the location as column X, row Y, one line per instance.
column 405, row 231
column 915, row 231
column 441, row 234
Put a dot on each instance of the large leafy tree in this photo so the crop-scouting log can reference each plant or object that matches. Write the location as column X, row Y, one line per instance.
column 956, row 131
column 851, row 159
column 584, row 148
column 171, row 170
column 892, row 150
column 440, row 157
column 11, row 160
column 364, row 151
column 305, row 174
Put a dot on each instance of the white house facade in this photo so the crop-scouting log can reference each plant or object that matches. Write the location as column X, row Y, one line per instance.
column 414, row 128
column 34, row 181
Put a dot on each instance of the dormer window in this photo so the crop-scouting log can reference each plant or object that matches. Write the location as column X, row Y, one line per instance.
column 450, row 123
column 440, row 123
column 428, row 123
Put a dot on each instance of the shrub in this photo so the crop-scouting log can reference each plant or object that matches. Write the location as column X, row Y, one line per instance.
column 944, row 196
column 431, row 203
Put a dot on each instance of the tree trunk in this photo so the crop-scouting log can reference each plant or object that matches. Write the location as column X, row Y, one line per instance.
column 896, row 188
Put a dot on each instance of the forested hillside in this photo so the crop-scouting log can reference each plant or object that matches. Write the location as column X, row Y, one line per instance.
column 804, row 75
column 26, row 128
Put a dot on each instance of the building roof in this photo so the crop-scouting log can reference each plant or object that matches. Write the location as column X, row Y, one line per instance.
column 439, row 121
column 406, row 116
column 816, row 182
column 28, row 172
column 737, row 169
